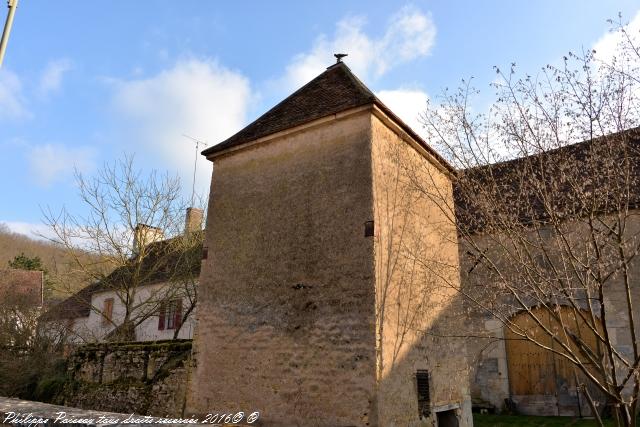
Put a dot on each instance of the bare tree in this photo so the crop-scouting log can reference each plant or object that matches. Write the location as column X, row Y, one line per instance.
column 546, row 210
column 29, row 361
column 133, row 225
column 18, row 320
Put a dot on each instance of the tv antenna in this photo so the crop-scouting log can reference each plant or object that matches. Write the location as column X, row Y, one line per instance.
column 197, row 142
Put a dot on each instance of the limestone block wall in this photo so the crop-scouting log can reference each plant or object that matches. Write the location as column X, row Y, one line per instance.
column 417, row 282
column 488, row 362
column 295, row 319
column 285, row 321
column 147, row 378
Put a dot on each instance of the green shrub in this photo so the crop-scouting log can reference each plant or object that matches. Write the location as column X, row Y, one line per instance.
column 49, row 389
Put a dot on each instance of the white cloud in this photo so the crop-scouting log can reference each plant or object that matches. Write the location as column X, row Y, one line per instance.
column 407, row 104
column 195, row 97
column 617, row 50
column 607, row 46
column 410, row 34
column 12, row 102
column 208, row 101
column 32, row 230
column 50, row 163
column 41, row 231
column 51, row 79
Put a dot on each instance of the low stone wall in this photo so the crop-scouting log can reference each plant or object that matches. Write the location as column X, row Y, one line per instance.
column 148, row 378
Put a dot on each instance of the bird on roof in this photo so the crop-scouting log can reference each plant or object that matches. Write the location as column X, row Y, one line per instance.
column 339, row 56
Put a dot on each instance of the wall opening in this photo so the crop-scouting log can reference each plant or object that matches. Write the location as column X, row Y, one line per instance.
column 541, row 381
column 368, row 229
column 424, row 399
column 447, row 418
column 107, row 312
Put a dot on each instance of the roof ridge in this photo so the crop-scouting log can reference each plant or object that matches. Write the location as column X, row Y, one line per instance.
column 355, row 79
column 334, row 90
column 300, row 89
column 632, row 133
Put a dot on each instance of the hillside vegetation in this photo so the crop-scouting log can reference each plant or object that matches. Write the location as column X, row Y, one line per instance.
column 62, row 281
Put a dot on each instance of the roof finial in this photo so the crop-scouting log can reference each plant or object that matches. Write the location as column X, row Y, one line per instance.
column 339, row 57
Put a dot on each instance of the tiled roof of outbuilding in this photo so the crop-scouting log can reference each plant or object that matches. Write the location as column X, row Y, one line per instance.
column 600, row 174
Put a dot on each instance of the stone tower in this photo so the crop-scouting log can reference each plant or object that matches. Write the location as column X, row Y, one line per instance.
column 318, row 300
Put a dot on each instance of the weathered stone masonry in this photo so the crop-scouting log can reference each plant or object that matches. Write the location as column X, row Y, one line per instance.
column 289, row 304
column 145, row 378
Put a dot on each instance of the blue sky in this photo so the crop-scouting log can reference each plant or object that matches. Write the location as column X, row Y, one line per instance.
column 84, row 82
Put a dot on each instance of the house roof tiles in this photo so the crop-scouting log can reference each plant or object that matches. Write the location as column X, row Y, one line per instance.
column 598, row 175
column 164, row 261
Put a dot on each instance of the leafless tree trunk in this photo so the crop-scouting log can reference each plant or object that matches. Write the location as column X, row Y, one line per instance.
column 133, row 228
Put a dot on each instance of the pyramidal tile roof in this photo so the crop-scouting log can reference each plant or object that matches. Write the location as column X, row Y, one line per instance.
column 333, row 91
column 336, row 90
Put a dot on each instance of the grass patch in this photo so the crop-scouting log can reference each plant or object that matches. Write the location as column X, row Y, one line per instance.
column 480, row 420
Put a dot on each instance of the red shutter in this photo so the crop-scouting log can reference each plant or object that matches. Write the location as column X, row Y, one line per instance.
column 178, row 318
column 107, row 311
column 161, row 317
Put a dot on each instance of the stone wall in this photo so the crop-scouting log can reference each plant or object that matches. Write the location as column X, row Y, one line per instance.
column 285, row 305
column 488, row 357
column 416, row 282
column 288, row 309
column 148, row 378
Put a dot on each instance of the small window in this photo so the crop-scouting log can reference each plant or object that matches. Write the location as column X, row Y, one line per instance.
column 170, row 315
column 447, row 418
column 205, row 252
column 424, row 399
column 368, row 229
column 107, row 311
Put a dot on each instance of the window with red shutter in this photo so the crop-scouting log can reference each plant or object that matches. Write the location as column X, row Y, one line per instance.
column 107, row 311
column 170, row 315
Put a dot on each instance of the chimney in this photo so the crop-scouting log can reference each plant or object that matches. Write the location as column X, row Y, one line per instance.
column 145, row 234
column 193, row 221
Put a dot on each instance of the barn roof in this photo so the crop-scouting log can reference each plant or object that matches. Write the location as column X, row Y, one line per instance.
column 592, row 175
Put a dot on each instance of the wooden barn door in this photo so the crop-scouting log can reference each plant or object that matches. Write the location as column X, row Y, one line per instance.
column 544, row 383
